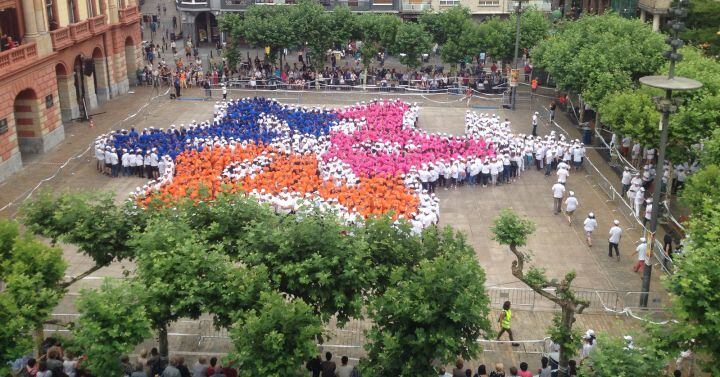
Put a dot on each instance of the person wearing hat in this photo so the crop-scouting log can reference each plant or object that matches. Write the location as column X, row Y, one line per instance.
column 224, row 92
column 639, row 200
column 625, row 180
column 558, row 190
column 588, row 343
column 535, row 123
column 641, row 251
column 648, row 211
column 571, row 204
column 614, row 240
column 589, row 226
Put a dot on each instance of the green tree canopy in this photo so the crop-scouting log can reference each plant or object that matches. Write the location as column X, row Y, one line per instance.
column 112, row 321
column 446, row 25
column 702, row 26
column 31, row 273
column 435, row 310
column 276, row 338
column 411, row 41
column 613, row 357
column 596, row 55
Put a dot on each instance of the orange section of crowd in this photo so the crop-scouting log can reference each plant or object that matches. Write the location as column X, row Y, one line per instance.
column 198, row 176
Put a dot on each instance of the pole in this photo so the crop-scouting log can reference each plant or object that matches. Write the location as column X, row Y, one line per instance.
column 656, row 207
column 517, row 49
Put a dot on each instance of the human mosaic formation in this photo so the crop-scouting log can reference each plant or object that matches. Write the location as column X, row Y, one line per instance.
column 358, row 161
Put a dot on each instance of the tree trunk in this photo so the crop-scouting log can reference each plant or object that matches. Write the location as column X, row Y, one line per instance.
column 39, row 337
column 568, row 318
column 163, row 340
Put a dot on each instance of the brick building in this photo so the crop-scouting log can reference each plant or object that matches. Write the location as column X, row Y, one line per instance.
column 74, row 55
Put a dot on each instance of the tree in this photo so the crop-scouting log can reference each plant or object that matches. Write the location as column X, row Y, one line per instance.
column 314, row 258
column 428, row 314
column 702, row 28
column 446, row 25
column 590, row 55
column 411, row 41
column 632, row 112
column 178, row 272
column 511, row 230
column 344, row 26
column 313, row 27
column 499, row 38
column 276, row 338
column 31, row 273
column 465, row 45
column 112, row 321
column 92, row 222
column 264, row 26
column 614, row 357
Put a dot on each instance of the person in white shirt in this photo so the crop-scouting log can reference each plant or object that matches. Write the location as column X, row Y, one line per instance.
column 614, row 240
column 626, row 178
column 562, row 175
column 641, row 251
column 639, row 200
column 578, row 156
column 589, row 226
column 535, row 123
column 344, row 370
column 648, row 211
column 571, row 204
column 558, row 191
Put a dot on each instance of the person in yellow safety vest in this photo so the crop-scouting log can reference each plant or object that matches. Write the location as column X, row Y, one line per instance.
column 504, row 321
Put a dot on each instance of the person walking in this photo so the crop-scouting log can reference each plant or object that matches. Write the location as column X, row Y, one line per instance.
column 558, row 191
column 504, row 321
column 224, row 92
column 641, row 251
column 589, row 226
column 626, row 178
column 571, row 204
column 614, row 240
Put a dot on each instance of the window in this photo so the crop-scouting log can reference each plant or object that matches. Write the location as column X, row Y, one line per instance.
column 489, row 3
column 449, row 3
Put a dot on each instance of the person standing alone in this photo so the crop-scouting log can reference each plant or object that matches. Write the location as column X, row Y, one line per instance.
column 614, row 240
column 558, row 190
column 504, row 321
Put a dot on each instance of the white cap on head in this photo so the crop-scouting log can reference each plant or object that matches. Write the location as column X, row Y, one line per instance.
column 616, row 222
column 591, row 215
column 572, row 193
column 642, row 239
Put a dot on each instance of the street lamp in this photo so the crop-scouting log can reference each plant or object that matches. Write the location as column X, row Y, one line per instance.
column 518, row 12
column 666, row 105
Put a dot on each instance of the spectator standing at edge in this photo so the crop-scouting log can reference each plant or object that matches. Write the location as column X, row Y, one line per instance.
column 328, row 366
column 614, row 240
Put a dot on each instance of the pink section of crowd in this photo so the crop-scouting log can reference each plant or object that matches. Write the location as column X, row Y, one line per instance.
column 385, row 147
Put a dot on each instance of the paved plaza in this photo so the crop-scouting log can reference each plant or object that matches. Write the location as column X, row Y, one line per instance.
column 555, row 245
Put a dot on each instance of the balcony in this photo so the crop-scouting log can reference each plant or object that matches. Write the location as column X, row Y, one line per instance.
column 61, row 38
column 416, row 7
column 80, row 31
column 655, row 6
column 98, row 24
column 17, row 57
column 354, row 5
column 129, row 15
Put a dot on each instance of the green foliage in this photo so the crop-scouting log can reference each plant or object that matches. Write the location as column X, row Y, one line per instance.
column 511, row 229
column 31, row 273
column 433, row 311
column 613, row 358
column 499, row 34
column 695, row 303
column 275, row 339
column 596, row 55
column 112, row 321
column 468, row 43
column 92, row 222
column 447, row 25
column 632, row 112
column 567, row 338
column 711, row 149
column 411, row 41
column 702, row 26
column 312, row 258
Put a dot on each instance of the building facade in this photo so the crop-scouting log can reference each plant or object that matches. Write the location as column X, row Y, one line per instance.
column 73, row 55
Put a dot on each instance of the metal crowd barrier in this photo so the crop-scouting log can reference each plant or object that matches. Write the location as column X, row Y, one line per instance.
column 623, row 206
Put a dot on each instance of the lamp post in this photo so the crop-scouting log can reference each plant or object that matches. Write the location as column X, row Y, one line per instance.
column 666, row 105
column 518, row 12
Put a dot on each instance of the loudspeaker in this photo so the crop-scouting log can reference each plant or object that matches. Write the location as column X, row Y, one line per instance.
column 89, row 67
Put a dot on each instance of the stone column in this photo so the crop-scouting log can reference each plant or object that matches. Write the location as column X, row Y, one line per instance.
column 656, row 22
column 101, row 75
column 642, row 15
column 67, row 96
column 29, row 17
column 90, row 96
column 40, row 16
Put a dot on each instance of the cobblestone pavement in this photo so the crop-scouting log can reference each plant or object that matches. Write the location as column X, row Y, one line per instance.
column 555, row 245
